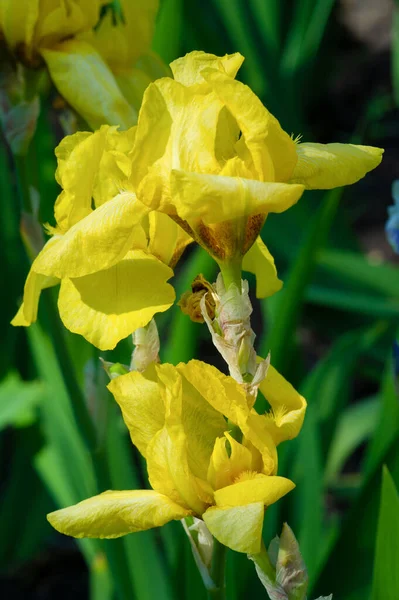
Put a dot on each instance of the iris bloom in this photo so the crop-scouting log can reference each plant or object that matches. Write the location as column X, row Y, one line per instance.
column 210, row 155
column 61, row 33
column 196, row 467
column 111, row 257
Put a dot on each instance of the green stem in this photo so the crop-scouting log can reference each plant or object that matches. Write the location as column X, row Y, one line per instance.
column 231, row 273
column 262, row 561
column 218, row 567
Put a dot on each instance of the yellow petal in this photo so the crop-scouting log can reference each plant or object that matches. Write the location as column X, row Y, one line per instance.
column 174, row 122
column 271, row 149
column 216, row 198
column 35, row 283
column 260, row 262
column 327, row 166
column 142, row 404
column 186, row 408
column 122, row 42
column 112, row 514
column 224, row 469
column 288, row 406
column 167, row 239
column 60, row 20
column 107, row 306
column 85, row 81
column 97, row 242
column 168, row 469
column 17, row 21
column 238, row 528
column 91, row 166
column 257, row 430
column 78, row 157
column 221, row 391
column 187, row 70
column 265, row 489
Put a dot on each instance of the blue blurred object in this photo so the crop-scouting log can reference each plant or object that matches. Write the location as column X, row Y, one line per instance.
column 395, row 357
column 392, row 225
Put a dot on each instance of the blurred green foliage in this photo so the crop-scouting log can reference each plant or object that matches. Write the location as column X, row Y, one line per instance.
column 330, row 331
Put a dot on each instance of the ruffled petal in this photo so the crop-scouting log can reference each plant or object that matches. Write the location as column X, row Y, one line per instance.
column 265, row 489
column 97, row 242
column 327, row 166
column 271, row 149
column 222, row 392
column 78, row 157
column 288, row 406
column 260, row 262
column 107, row 306
column 187, row 69
column 238, row 528
column 112, row 514
column 85, row 81
column 142, row 404
column 174, row 122
column 217, row 198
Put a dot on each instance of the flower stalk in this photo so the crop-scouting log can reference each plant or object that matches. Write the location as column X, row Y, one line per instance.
column 218, row 569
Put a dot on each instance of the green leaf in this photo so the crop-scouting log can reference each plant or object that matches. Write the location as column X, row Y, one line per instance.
column 168, row 32
column 386, row 572
column 387, row 424
column 354, row 302
column 361, row 270
column 284, row 308
column 18, row 400
column 354, row 427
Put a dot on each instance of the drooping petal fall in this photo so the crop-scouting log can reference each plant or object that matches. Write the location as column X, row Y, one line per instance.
column 96, row 242
column 260, row 262
column 237, row 527
column 327, row 166
column 35, row 283
column 107, row 306
column 112, row 514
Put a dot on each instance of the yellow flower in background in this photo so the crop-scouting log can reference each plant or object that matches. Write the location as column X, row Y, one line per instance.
column 210, row 155
column 81, row 59
column 176, row 418
column 111, row 257
column 125, row 46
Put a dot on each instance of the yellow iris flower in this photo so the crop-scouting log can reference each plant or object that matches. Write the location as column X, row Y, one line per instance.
column 210, row 155
column 81, row 59
column 111, row 257
column 195, row 466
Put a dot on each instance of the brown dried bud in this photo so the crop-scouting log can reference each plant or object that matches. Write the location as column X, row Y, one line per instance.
column 190, row 302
